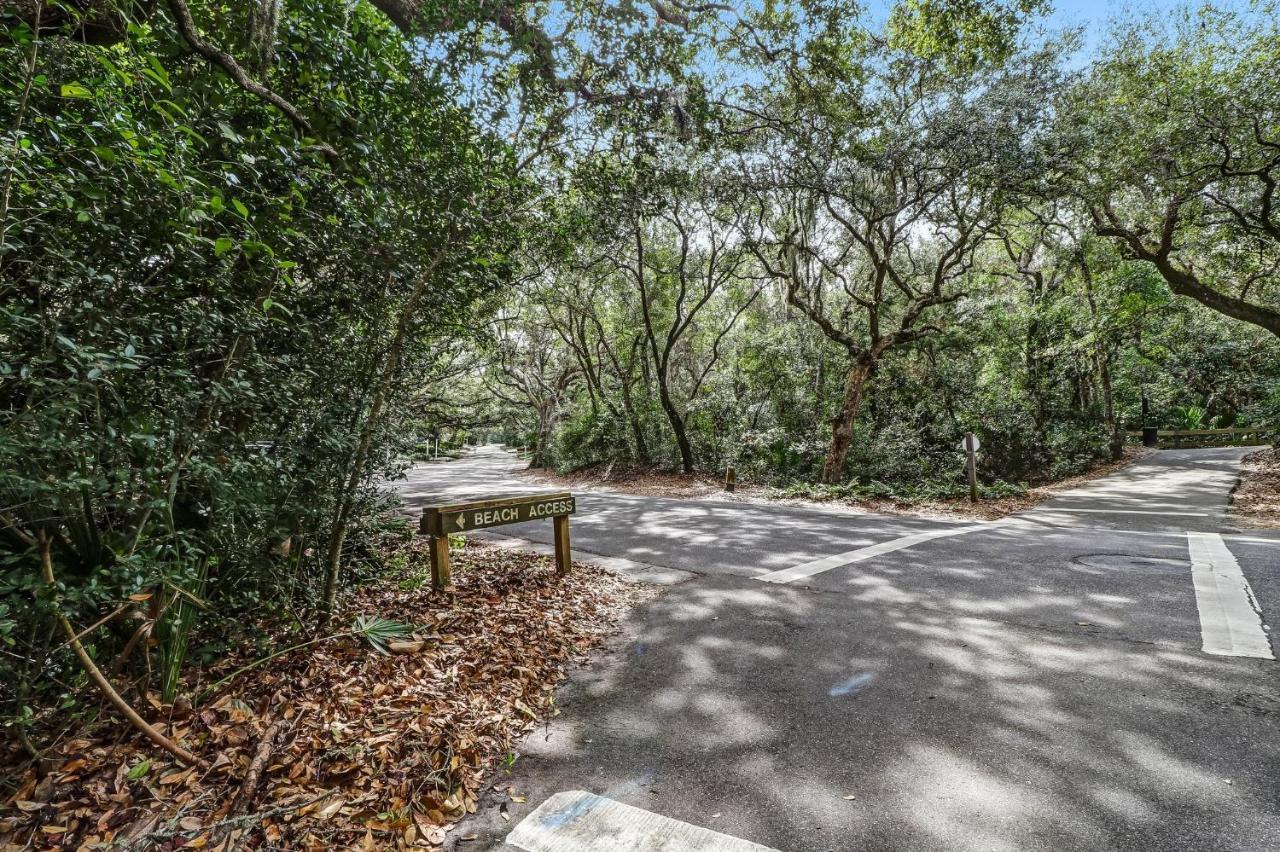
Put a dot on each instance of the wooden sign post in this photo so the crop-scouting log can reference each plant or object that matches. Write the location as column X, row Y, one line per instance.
column 439, row 521
column 970, row 446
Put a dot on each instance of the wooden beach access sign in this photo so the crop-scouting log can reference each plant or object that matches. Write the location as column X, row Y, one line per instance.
column 439, row 522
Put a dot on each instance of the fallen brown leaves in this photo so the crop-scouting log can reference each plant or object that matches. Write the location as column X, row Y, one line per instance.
column 1256, row 501
column 336, row 745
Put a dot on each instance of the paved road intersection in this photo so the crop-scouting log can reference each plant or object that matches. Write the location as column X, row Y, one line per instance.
column 1090, row 674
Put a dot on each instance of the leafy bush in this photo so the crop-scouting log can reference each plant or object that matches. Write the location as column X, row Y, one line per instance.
column 918, row 492
column 199, row 320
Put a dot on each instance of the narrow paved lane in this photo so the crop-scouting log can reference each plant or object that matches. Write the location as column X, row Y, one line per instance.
column 1172, row 490
column 1112, row 556
column 1086, row 675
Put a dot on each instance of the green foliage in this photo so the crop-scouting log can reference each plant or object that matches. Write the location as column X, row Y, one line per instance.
column 919, row 492
column 963, row 33
column 1049, row 340
column 1170, row 141
column 379, row 631
column 195, row 303
column 1189, row 417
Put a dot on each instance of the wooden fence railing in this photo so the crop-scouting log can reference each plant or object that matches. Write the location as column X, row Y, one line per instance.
column 1187, row 438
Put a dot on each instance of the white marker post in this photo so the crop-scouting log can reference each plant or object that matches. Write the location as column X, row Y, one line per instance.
column 970, row 446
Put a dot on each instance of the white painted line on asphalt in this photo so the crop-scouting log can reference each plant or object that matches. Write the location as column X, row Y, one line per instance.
column 1121, row 511
column 1249, row 539
column 1230, row 622
column 827, row 563
column 576, row 821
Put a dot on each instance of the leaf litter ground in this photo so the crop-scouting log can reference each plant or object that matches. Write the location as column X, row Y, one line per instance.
column 1255, row 502
column 367, row 750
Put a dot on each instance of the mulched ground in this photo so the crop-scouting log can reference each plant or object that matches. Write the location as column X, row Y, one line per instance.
column 371, row 750
column 702, row 487
column 1256, row 501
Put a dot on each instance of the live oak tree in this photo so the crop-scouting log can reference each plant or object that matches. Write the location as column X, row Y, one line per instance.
column 592, row 318
column 874, row 193
column 1038, row 252
column 1172, row 142
column 530, row 372
column 682, row 259
column 1074, row 382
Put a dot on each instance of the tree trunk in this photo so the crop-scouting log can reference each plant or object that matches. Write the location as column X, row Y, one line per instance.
column 1035, row 378
column 677, row 425
column 541, row 457
column 662, row 360
column 820, row 382
column 1115, row 434
column 386, row 380
column 637, row 428
column 842, row 433
column 1115, row 437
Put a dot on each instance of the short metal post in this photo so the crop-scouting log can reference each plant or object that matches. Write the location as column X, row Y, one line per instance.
column 560, row 529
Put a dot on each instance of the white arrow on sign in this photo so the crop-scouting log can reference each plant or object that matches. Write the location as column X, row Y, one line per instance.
column 462, row 521
column 970, row 443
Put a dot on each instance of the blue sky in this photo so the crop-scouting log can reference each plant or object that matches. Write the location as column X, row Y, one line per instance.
column 1094, row 16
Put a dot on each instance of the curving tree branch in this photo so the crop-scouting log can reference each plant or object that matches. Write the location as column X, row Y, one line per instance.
column 187, row 28
column 96, row 675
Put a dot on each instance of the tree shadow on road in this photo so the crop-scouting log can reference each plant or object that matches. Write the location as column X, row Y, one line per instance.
column 757, row 710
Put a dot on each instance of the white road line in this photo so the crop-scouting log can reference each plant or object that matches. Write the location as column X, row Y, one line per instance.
column 575, row 821
column 1248, row 539
column 1230, row 623
column 818, row 566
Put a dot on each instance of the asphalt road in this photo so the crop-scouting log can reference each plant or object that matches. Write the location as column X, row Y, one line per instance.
column 1091, row 674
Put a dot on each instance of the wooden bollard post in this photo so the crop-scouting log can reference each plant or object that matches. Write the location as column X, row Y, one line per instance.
column 441, row 576
column 730, row 479
column 560, row 532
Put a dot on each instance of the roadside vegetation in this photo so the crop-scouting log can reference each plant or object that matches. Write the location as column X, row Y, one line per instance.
column 256, row 256
column 379, row 733
column 946, row 499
